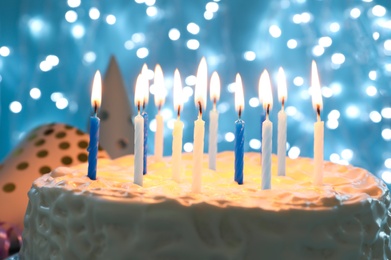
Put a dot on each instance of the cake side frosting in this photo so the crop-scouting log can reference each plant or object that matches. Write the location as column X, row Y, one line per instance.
column 71, row 217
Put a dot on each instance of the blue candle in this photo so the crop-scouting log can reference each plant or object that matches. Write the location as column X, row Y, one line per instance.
column 96, row 97
column 263, row 118
column 93, row 146
column 239, row 150
column 145, row 116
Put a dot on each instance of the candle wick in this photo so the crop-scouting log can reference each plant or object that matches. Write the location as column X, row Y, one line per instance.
column 159, row 108
column 282, row 103
column 138, row 107
column 214, row 104
column 95, row 108
column 267, row 111
column 143, row 105
column 318, row 112
column 179, row 112
column 240, row 112
column 200, row 108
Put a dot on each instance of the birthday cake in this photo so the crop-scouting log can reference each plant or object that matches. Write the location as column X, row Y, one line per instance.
column 70, row 216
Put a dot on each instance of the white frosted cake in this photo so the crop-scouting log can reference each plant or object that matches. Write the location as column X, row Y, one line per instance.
column 71, row 217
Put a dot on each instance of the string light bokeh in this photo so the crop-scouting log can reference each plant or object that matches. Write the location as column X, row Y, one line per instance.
column 49, row 51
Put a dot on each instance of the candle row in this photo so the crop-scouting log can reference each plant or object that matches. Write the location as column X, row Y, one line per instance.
column 141, row 98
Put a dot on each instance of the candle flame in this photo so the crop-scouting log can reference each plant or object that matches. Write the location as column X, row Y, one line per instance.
column 215, row 87
column 96, row 94
column 239, row 96
column 265, row 90
column 178, row 99
column 201, row 84
column 160, row 90
column 139, row 90
column 317, row 102
column 145, row 89
column 282, row 87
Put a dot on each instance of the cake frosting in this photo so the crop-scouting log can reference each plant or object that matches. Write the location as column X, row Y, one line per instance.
column 70, row 216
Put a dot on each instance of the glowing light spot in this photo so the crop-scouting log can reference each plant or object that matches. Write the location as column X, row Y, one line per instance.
column 188, row 147
column 291, row 110
column 334, row 115
column 231, row 87
column 386, row 112
column 45, row 66
column 36, row 26
column 292, row 44
column 138, row 37
column 386, row 134
column 294, row 152
column 387, row 67
column 139, row 1
column 334, row 157
column 347, row 154
column 150, row 2
column 52, row 60
column 327, row 92
column 352, row 111
column 372, row 75
column 188, row 91
column 191, row 80
column 229, row 137
column 223, row 107
column 317, row 50
column 375, row 116
column 253, row 102
column 275, row 31
column 142, row 52
column 255, row 144
column 15, row 107
column 208, row 15
column 355, row 13
column 152, row 125
column 62, row 103
column 306, row 17
column 129, row 45
column 35, row 93
column 110, row 19
column 171, row 123
column 325, row 41
column 74, row 3
column 334, row 27
column 371, row 91
column 4, row 51
column 89, row 57
column 387, row 163
column 78, row 31
column 94, row 13
column 193, row 44
column 386, row 176
column 336, row 87
column 152, row 11
column 332, row 124
column 298, row 81
column 387, row 45
column 212, row 7
column 71, row 16
column 376, row 36
column 338, row 58
column 193, row 28
column 174, row 34
column 379, row 10
column 296, row 18
column 55, row 96
column 249, row 55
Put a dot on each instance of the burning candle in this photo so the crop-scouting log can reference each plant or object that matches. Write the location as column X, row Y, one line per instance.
column 177, row 132
column 213, row 120
column 281, row 141
column 317, row 104
column 239, row 130
column 265, row 97
column 144, row 114
column 160, row 96
column 138, row 132
column 199, row 124
column 96, row 97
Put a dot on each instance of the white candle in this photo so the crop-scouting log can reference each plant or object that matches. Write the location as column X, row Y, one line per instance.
column 199, row 125
column 213, row 120
column 138, row 134
column 265, row 97
column 317, row 103
column 281, row 141
column 160, row 95
column 177, row 132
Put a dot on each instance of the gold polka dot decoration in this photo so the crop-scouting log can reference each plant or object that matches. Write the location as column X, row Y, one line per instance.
column 44, row 149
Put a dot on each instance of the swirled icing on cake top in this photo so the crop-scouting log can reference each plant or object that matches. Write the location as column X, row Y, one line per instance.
column 341, row 184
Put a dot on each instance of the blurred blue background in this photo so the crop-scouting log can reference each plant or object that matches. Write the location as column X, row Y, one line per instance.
column 49, row 51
